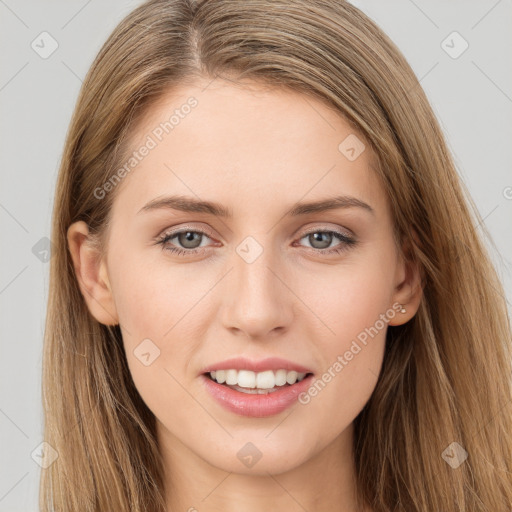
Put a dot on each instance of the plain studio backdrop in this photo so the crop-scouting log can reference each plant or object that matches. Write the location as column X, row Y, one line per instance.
column 460, row 51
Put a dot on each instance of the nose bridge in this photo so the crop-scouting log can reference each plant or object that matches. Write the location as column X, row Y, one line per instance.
column 257, row 302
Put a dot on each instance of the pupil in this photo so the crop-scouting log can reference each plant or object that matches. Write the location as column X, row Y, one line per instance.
column 188, row 237
column 318, row 237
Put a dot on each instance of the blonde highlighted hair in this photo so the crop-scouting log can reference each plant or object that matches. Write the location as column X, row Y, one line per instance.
column 446, row 374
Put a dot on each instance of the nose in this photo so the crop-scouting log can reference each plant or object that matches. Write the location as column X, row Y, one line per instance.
column 258, row 302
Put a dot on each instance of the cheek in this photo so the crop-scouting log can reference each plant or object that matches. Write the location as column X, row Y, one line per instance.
column 154, row 297
column 353, row 310
column 346, row 298
column 160, row 310
column 352, row 357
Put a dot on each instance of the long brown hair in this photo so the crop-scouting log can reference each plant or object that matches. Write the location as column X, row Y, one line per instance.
column 446, row 376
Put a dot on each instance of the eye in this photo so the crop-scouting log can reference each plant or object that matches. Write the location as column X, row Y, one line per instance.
column 189, row 241
column 322, row 239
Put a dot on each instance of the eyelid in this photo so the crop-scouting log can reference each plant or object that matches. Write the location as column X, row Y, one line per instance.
column 171, row 231
column 338, row 229
column 346, row 241
column 175, row 231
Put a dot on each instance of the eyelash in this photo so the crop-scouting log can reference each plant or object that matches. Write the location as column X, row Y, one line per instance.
column 346, row 244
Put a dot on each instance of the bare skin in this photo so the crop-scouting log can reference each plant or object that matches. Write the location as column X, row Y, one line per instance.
column 257, row 152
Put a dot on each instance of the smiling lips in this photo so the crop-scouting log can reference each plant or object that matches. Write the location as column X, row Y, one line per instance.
column 263, row 374
column 256, row 388
column 267, row 379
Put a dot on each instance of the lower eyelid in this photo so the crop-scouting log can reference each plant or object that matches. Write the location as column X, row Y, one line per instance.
column 339, row 236
column 345, row 240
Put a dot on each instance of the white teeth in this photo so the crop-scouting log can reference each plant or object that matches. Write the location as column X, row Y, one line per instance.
column 252, row 380
column 291, row 377
column 281, row 377
column 232, row 377
column 264, row 380
column 246, row 379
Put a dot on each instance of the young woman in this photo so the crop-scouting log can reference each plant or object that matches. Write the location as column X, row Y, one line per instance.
column 268, row 291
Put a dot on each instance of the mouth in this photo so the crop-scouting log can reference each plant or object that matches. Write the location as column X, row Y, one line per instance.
column 256, row 395
column 256, row 387
column 257, row 383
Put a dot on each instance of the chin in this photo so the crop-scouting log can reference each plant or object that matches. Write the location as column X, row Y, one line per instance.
column 257, row 456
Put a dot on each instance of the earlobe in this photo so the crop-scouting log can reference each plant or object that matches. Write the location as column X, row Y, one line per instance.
column 409, row 290
column 91, row 273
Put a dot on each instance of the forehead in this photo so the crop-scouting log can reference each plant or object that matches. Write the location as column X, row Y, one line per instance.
column 240, row 144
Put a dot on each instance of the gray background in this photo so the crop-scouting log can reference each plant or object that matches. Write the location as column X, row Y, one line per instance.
column 470, row 94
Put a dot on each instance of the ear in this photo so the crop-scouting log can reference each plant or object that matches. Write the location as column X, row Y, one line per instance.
column 408, row 285
column 91, row 273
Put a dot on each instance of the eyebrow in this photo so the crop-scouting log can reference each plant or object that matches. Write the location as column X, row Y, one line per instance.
column 191, row 204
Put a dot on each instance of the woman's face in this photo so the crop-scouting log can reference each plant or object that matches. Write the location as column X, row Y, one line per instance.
column 273, row 278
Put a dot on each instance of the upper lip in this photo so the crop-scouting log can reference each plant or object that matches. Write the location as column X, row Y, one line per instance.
column 260, row 365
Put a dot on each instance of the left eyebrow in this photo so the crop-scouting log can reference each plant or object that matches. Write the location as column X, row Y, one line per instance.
column 190, row 204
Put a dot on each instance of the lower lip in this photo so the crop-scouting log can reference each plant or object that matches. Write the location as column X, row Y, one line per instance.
column 256, row 406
